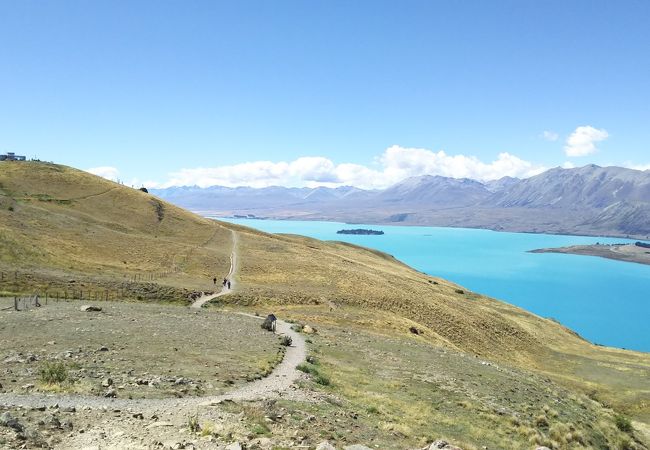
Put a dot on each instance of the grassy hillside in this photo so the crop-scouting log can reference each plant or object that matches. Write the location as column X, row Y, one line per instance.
column 56, row 222
column 61, row 228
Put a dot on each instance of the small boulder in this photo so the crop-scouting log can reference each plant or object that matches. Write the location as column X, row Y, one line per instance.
column 55, row 422
column 7, row 420
column 325, row 446
column 89, row 308
column 106, row 382
column 14, row 359
column 356, row 447
column 542, row 448
column 110, row 393
column 308, row 330
column 103, row 348
column 442, row 444
column 234, row 446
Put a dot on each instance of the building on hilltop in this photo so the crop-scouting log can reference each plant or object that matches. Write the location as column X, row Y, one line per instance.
column 11, row 157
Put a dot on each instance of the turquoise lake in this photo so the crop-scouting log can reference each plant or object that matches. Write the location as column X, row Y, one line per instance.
column 606, row 301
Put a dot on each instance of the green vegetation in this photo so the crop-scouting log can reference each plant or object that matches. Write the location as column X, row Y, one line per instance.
column 624, row 424
column 53, row 373
column 193, row 424
column 316, row 375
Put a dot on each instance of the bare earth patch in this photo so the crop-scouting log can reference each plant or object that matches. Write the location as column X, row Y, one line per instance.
column 134, row 350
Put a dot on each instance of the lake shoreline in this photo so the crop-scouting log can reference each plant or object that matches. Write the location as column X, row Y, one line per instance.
column 217, row 215
column 501, row 266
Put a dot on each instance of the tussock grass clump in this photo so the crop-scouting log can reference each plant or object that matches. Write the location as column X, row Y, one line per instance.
column 256, row 418
column 193, row 424
column 372, row 410
column 53, row 373
column 541, row 421
column 623, row 424
column 286, row 341
column 316, row 375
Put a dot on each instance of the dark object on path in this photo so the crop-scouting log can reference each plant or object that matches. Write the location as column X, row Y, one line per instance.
column 269, row 323
column 90, row 308
column 228, row 284
column 214, row 280
column 225, row 281
column 144, row 189
column 415, row 330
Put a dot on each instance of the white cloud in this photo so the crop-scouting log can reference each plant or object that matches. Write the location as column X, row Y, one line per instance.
column 582, row 141
column 110, row 173
column 631, row 165
column 548, row 135
column 568, row 165
column 395, row 164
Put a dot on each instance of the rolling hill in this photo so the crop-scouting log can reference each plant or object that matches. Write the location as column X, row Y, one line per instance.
column 61, row 228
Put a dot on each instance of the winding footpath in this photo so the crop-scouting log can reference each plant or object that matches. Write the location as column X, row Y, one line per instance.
column 225, row 290
column 277, row 383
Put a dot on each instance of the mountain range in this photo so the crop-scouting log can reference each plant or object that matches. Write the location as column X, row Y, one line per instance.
column 589, row 200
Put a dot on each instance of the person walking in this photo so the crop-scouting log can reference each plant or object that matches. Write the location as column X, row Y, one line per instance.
column 214, row 280
column 228, row 284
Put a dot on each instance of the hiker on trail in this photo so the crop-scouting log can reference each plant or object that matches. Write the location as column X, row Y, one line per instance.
column 214, row 280
column 225, row 282
column 228, row 284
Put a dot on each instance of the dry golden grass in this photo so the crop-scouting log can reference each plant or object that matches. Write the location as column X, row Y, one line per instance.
column 56, row 221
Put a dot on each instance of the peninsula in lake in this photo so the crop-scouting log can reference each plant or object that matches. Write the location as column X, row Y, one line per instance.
column 638, row 252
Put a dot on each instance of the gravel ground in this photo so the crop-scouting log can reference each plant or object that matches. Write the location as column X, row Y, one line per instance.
column 149, row 423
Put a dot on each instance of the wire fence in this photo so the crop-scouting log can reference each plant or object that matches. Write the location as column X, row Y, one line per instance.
column 136, row 277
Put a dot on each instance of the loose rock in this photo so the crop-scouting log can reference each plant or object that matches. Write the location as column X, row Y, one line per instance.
column 10, row 421
column 442, row 444
column 110, row 393
column 90, row 308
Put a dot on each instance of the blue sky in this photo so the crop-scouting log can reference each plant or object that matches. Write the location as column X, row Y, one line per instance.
column 207, row 92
